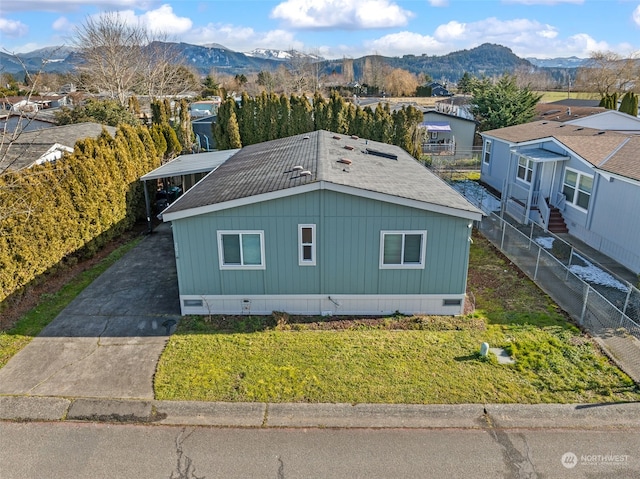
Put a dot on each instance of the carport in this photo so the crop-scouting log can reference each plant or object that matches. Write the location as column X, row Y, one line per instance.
column 188, row 168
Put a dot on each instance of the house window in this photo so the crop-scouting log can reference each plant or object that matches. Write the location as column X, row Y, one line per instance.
column 307, row 245
column 402, row 249
column 525, row 169
column 433, row 135
column 487, row 151
column 241, row 249
column 577, row 188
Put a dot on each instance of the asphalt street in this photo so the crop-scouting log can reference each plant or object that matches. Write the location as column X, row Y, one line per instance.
column 100, row 450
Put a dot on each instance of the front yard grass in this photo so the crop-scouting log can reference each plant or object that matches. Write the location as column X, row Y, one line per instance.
column 398, row 359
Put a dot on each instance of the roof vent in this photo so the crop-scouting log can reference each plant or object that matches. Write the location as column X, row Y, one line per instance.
column 579, row 129
column 382, row 154
column 305, row 137
column 305, row 173
column 346, row 161
column 297, row 168
column 336, row 137
column 601, row 132
column 355, row 137
column 348, row 147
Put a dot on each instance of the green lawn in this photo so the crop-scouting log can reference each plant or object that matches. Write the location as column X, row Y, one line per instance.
column 397, row 359
column 551, row 96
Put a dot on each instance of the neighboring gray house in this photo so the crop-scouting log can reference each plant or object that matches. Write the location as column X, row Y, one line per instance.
column 571, row 178
column 322, row 223
column 448, row 134
column 203, row 131
column 46, row 144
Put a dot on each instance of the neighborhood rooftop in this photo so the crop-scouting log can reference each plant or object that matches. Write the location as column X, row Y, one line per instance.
column 609, row 151
column 322, row 157
column 31, row 145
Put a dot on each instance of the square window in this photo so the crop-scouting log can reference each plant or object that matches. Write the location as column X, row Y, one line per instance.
column 241, row 249
column 402, row 249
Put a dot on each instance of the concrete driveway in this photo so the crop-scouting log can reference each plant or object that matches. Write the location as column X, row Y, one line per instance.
column 107, row 342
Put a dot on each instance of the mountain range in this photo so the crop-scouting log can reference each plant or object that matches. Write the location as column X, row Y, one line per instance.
column 486, row 59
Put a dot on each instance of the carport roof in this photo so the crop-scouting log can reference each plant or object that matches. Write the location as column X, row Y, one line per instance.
column 190, row 164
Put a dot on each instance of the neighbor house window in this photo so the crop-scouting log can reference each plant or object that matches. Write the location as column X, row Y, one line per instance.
column 307, row 245
column 402, row 249
column 525, row 169
column 241, row 249
column 487, row 151
column 577, row 188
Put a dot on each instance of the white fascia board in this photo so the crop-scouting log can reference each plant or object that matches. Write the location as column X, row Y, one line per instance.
column 323, row 185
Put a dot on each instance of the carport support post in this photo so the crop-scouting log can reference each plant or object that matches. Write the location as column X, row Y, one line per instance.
column 148, row 205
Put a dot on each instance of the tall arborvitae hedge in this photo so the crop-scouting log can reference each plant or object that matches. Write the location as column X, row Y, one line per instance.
column 270, row 116
column 73, row 207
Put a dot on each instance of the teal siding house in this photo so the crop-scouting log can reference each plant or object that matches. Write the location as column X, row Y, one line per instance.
column 322, row 224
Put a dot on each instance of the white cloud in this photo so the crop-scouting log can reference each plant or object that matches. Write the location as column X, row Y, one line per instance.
column 450, row 31
column 348, row 14
column 163, row 20
column 242, row 39
column 404, row 43
column 62, row 24
column 13, row 28
column 439, row 3
column 636, row 16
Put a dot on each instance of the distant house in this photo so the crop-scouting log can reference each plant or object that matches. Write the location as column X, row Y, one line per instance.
column 199, row 109
column 321, row 223
column 448, row 134
column 46, row 144
column 571, row 178
column 203, row 131
column 438, row 90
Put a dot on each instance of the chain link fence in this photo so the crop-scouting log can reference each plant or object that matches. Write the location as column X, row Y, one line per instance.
column 603, row 305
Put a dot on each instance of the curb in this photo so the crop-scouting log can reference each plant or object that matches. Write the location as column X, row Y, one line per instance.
column 306, row 415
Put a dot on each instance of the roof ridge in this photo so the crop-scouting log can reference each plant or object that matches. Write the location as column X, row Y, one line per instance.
column 613, row 153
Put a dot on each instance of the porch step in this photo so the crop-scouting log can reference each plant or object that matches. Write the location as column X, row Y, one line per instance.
column 556, row 221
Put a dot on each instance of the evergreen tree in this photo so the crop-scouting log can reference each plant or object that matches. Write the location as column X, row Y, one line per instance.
column 184, row 129
column 503, row 103
column 320, row 113
column 465, row 83
column 629, row 104
column 234, row 131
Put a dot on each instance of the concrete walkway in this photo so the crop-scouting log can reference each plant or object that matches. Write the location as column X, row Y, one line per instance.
column 107, row 342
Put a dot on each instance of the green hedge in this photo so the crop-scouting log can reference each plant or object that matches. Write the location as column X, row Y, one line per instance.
column 73, row 207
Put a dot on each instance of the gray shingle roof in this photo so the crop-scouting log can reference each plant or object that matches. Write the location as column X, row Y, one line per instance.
column 31, row 145
column 607, row 150
column 368, row 166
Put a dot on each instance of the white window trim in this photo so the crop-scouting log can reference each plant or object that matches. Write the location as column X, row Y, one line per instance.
column 223, row 266
column 301, row 260
column 486, row 154
column 528, row 167
column 579, row 174
column 423, row 249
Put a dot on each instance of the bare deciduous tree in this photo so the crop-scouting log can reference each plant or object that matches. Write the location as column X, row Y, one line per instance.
column 112, row 52
column 607, row 73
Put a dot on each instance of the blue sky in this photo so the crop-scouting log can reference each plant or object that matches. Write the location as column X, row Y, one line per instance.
column 346, row 28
